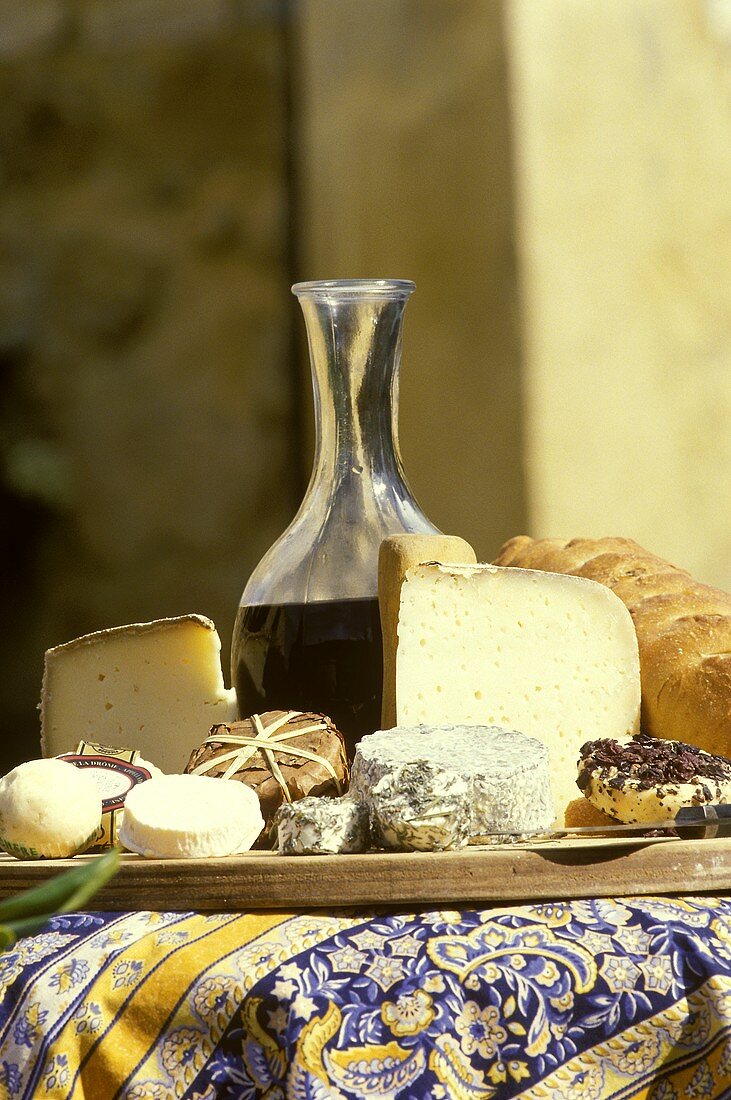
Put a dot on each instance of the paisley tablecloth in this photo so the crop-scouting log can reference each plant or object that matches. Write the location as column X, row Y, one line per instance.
column 583, row 1000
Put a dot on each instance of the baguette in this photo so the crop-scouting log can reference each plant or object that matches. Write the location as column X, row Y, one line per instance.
column 683, row 631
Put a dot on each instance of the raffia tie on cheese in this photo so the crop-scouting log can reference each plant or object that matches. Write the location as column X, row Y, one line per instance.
column 268, row 742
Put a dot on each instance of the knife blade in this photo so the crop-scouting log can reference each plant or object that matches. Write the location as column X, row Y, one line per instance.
column 713, row 820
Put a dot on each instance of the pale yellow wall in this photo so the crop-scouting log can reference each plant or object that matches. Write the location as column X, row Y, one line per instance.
column 146, row 402
column 622, row 131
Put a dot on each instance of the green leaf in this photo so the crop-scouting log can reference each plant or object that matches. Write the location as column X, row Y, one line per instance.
column 26, row 913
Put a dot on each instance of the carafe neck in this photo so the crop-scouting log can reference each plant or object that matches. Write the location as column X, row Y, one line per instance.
column 354, row 335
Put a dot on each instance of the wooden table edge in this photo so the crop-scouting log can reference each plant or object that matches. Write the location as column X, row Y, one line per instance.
column 509, row 874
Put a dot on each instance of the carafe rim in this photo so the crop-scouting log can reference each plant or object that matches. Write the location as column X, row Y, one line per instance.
column 323, row 289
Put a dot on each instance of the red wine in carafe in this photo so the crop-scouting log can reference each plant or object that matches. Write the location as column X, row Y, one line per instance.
column 325, row 657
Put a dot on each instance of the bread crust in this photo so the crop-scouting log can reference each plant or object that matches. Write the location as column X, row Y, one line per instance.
column 683, row 631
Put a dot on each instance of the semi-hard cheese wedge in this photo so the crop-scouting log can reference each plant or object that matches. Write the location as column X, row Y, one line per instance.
column 549, row 655
column 505, row 774
column 157, row 686
column 190, row 817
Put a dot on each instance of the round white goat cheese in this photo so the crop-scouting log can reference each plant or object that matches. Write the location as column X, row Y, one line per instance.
column 190, row 816
column 48, row 809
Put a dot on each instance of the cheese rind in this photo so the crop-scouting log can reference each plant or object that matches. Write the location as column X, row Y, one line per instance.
column 156, row 685
column 506, row 773
column 549, row 655
column 48, row 810
column 190, row 817
column 396, row 555
column 317, row 826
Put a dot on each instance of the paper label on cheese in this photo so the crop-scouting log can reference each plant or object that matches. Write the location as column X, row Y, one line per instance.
column 93, row 748
column 114, row 777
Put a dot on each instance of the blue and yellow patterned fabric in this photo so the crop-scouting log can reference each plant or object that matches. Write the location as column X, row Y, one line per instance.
column 583, row 1000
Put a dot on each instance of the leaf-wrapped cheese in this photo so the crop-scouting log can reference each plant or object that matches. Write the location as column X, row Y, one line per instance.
column 282, row 755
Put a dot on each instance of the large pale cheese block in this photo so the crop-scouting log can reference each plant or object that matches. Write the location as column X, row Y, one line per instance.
column 156, row 687
column 549, row 655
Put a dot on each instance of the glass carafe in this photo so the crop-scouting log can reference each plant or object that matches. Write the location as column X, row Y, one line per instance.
column 307, row 633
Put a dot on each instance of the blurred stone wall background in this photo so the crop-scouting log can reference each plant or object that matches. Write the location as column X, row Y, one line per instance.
column 555, row 178
column 149, row 425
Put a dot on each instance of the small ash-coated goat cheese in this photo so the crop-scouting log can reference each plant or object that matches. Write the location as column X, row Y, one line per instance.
column 506, row 773
column 421, row 808
column 322, row 826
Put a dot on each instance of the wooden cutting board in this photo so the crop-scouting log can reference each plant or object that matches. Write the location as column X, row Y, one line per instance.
column 577, row 868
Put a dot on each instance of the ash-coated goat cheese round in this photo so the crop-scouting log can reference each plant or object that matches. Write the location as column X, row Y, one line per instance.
column 649, row 779
column 48, row 810
column 190, row 816
column 506, row 773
